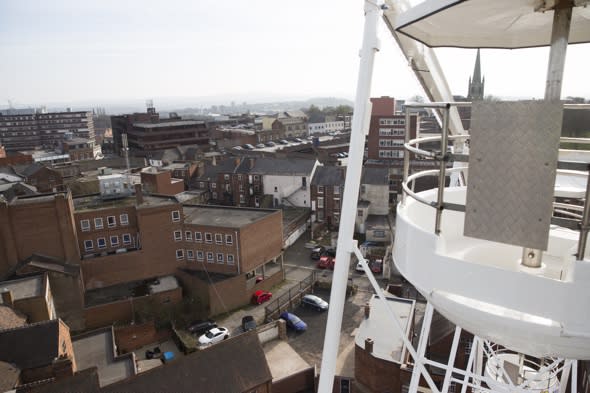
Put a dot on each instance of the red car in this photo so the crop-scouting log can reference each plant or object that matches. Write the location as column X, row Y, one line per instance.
column 327, row 262
column 260, row 297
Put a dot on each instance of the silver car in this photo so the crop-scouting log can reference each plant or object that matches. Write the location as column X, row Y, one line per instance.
column 314, row 301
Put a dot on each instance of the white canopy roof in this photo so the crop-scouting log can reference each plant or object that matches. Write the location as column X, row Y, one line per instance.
column 489, row 23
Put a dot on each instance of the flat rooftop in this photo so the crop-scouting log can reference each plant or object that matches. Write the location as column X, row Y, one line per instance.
column 387, row 342
column 23, row 288
column 93, row 202
column 223, row 217
column 169, row 124
column 96, row 349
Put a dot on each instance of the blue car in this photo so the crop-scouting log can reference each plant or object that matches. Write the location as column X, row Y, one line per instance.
column 294, row 322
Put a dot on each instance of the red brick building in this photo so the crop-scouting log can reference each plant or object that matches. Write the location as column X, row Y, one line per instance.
column 160, row 181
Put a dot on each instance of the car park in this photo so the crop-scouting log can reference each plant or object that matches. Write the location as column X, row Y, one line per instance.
column 315, row 302
column 261, row 296
column 294, row 322
column 248, row 323
column 213, row 336
column 200, row 327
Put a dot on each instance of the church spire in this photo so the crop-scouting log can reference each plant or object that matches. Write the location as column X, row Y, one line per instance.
column 476, row 83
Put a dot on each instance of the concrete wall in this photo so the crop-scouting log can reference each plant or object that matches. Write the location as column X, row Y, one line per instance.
column 378, row 195
column 288, row 186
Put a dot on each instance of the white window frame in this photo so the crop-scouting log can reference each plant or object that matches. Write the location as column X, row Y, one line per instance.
column 104, row 241
column 220, row 259
column 98, row 224
column 85, row 225
column 320, row 189
column 230, row 259
column 210, row 257
column 179, row 254
column 229, row 239
column 124, row 219
column 200, row 255
column 126, row 236
column 198, row 237
column 177, row 236
column 175, row 215
column 188, row 236
column 111, row 224
column 320, row 201
column 208, row 237
column 218, row 238
column 116, row 242
column 190, row 255
column 88, row 245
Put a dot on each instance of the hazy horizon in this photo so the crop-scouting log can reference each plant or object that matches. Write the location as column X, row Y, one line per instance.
column 66, row 52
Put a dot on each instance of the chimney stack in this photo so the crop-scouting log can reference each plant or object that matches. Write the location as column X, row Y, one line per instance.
column 138, row 193
column 369, row 345
column 252, row 162
column 7, row 298
column 367, row 310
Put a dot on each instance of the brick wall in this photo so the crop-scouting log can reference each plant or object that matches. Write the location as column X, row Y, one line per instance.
column 121, row 312
column 376, row 374
column 300, row 381
column 157, row 256
column 261, row 241
column 132, row 337
column 66, row 347
column 42, row 225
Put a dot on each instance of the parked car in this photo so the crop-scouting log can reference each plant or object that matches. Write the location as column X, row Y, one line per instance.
column 248, row 323
column 237, row 148
column 270, row 144
column 260, row 146
column 283, row 142
column 260, row 297
column 376, row 266
column 248, row 146
column 298, row 140
column 331, row 252
column 294, row 322
column 317, row 252
column 326, row 262
column 314, row 301
column 200, row 327
column 214, row 336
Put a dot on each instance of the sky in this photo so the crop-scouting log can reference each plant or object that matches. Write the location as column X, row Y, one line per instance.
column 96, row 51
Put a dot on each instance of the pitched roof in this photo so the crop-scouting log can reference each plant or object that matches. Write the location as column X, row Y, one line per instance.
column 31, row 169
column 83, row 381
column 376, row 176
column 223, row 166
column 329, row 176
column 276, row 166
column 234, row 365
column 30, row 346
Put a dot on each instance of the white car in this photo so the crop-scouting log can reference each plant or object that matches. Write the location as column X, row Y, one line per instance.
column 314, row 301
column 213, row 336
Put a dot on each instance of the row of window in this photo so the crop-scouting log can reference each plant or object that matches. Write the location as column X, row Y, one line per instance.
column 392, row 131
column 99, row 223
column 101, row 242
column 188, row 236
column 391, row 142
column 200, row 256
column 392, row 122
column 336, row 189
column 391, row 154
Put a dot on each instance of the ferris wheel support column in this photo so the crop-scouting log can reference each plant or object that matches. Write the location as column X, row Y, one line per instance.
column 360, row 125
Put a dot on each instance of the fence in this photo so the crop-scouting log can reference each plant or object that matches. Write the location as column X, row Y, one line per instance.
column 289, row 299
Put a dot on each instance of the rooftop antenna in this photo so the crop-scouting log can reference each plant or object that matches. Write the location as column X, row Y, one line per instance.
column 150, row 106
